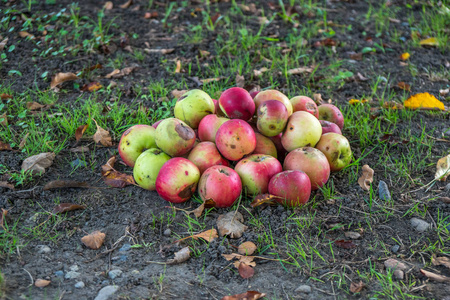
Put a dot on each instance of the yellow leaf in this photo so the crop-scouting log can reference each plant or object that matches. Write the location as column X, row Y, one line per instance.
column 404, row 56
column 423, row 100
column 429, row 42
column 443, row 168
column 356, row 101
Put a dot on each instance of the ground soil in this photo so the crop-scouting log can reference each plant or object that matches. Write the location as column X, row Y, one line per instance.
column 131, row 215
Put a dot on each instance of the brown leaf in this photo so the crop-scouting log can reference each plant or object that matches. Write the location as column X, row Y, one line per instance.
column 245, row 271
column 24, row 34
column 247, row 248
column 108, row 5
column 3, row 45
column 62, row 77
column 23, row 141
column 160, row 51
column 58, row 184
column 92, row 87
column 120, row 73
column 5, row 120
column 178, row 93
column 250, row 295
column 199, row 210
column 208, row 80
column 231, row 224
column 404, row 86
column 356, row 287
column 259, row 72
column 395, row 265
column 41, row 283
column 5, row 96
column 34, row 105
column 264, row 199
column 300, row 70
column 3, row 217
column 356, row 56
column 247, row 259
column 113, row 73
column 4, row 146
column 102, row 136
column 445, row 199
column 38, row 163
column 7, row 185
column 109, row 166
column 352, row 235
column 435, row 277
column 437, row 261
column 126, row 4
column 180, row 256
column 94, row 240
column 178, row 68
column 65, row 207
column 92, row 68
column 443, row 168
column 240, row 81
column 366, row 178
column 80, row 149
column 345, row 244
column 318, row 99
column 208, row 235
column 118, row 180
column 80, row 131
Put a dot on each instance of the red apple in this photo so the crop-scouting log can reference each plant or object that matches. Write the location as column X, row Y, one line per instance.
column 303, row 129
column 237, row 103
column 337, row 150
column 235, row 138
column 303, row 103
column 177, row 180
column 329, row 112
column 293, row 187
column 206, row 155
column 311, row 161
column 134, row 141
column 174, row 137
column 220, row 184
column 328, row 126
column 272, row 117
column 255, row 172
column 208, row 127
column 273, row 95
column 264, row 145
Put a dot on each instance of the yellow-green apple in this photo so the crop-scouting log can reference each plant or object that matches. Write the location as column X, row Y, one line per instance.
column 177, row 180
column 329, row 112
column 273, row 95
column 237, row 103
column 193, row 106
column 208, row 127
column 147, row 167
column 235, row 138
column 134, row 141
column 302, row 130
column 220, row 184
column 264, row 145
column 206, row 155
column 154, row 125
column 256, row 171
column 311, row 161
column 174, row 137
column 328, row 126
column 293, row 187
column 272, row 117
column 337, row 150
column 304, row 103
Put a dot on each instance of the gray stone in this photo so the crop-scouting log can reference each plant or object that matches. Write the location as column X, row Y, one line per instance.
column 447, row 187
column 125, row 248
column 383, row 191
column 79, row 285
column 74, row 268
column 106, row 292
column 59, row 274
column 395, row 248
column 113, row 274
column 167, row 232
column 72, row 275
column 306, row 289
column 41, row 249
column 420, row 225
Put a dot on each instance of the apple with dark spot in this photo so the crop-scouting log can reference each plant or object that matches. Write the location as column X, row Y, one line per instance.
column 235, row 139
column 328, row 126
column 337, row 149
column 208, row 127
column 329, row 112
column 134, row 141
column 237, row 103
column 293, row 187
column 206, row 155
column 174, row 137
column 147, row 167
column 302, row 130
column 304, row 103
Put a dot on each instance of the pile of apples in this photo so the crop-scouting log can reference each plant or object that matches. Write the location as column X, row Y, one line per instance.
column 285, row 147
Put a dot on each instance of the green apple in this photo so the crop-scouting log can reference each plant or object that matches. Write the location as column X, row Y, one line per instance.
column 134, row 141
column 337, row 150
column 193, row 106
column 174, row 137
column 147, row 167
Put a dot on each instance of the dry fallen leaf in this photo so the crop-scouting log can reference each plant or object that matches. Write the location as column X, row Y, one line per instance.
column 395, row 265
column 58, row 184
column 259, row 72
column 208, row 235
column 208, row 80
column 109, row 166
column 366, row 178
column 356, row 287
column 118, row 180
column 404, row 86
column 23, row 141
column 92, row 87
column 108, row 5
column 423, row 101
column 34, row 105
column 38, row 163
column 120, row 73
column 443, row 92
column 4, row 96
column 161, row 51
column 94, row 240
column 80, row 131
column 318, row 99
column 300, row 70
column 3, row 120
column 345, row 244
column 443, row 168
column 3, row 45
column 102, row 136
column 4, row 146
column 404, row 56
column 352, row 235
column 437, row 261
column 435, row 277
column 245, row 270
column 264, row 199
column 62, row 77
column 250, row 295
column 3, row 217
column 126, row 4
column 41, row 283
column 178, row 68
column 240, row 81
column 65, row 207
column 7, row 185
column 180, row 256
column 80, row 149
column 247, row 248
column 24, row 34
column 150, row 15
column 231, row 224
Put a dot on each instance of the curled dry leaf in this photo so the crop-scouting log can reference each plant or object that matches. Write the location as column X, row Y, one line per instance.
column 58, row 184
column 126, row 4
column 24, row 34
column 4, row 184
column 318, row 99
column 395, row 265
column 264, row 199
column 180, row 256
column 356, row 287
column 109, row 166
column 38, row 163
column 404, row 86
column 2, row 217
column 5, row 96
column 247, row 248
column 102, row 136
column 443, row 168
column 345, row 244
column 231, row 224
column 120, row 73
column 4, row 146
column 62, row 77
column 178, row 93
column 250, row 295
column 34, row 105
column 94, row 240
column 245, row 270
column 178, row 68
column 435, row 277
column 437, row 261
column 160, row 51
column 108, row 5
column 366, row 178
column 300, row 70
column 208, row 235
column 240, row 81
column 23, row 141
column 3, row 44
column 259, row 72
column 117, row 179
column 80, row 131
column 208, row 80
column 92, row 87
column 65, row 207
column 41, row 283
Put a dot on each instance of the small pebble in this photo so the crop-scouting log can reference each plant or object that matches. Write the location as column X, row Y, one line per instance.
column 419, row 224
column 167, row 232
column 306, row 289
column 125, row 248
column 395, row 248
column 352, row 235
column 74, row 268
column 41, row 249
column 447, row 187
column 383, row 191
column 78, row 163
column 59, row 274
column 106, row 292
column 395, row 264
column 79, row 285
column 72, row 275
column 113, row 274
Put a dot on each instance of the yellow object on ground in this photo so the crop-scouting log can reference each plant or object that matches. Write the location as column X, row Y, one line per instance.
column 423, row 100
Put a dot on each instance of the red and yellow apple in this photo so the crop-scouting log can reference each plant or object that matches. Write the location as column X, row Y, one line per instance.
column 337, row 149
column 174, row 137
column 329, row 112
column 304, row 103
column 272, row 117
column 293, row 187
column 237, row 103
column 206, row 155
column 302, row 130
column 235, row 139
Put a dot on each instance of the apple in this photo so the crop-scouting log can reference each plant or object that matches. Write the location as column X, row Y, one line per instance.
column 254, row 93
column 303, row 129
column 337, row 150
column 208, row 127
column 134, row 141
column 177, row 180
column 328, row 126
column 174, row 137
column 273, row 95
column 206, row 155
column 220, row 184
column 237, row 103
column 272, row 117
column 329, row 112
column 255, row 172
column 155, row 125
column 235, row 138
column 147, row 167
column 193, row 106
column 311, row 161
column 293, row 187
column 264, row 145
column 304, row 103
column 281, row 152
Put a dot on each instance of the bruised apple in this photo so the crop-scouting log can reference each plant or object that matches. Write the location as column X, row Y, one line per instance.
column 272, row 117
column 206, row 155
column 208, row 127
column 237, row 103
column 134, row 141
column 147, row 167
column 328, row 126
column 273, row 95
column 235, row 138
column 264, row 145
column 220, row 184
column 304, row 103
column 192, row 106
column 337, row 150
column 177, row 180
column 329, row 112
column 293, row 187
column 302, row 130
column 174, row 137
